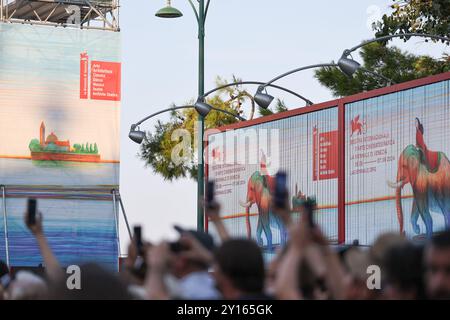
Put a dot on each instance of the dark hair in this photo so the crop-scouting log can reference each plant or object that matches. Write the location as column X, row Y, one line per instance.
column 242, row 262
column 97, row 283
column 3, row 268
column 441, row 240
column 309, row 281
column 404, row 268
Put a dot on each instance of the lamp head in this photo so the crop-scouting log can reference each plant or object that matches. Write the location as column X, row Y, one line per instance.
column 263, row 99
column 168, row 12
column 202, row 108
column 136, row 135
column 348, row 66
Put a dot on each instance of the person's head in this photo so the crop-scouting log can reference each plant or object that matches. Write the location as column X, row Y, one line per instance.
column 311, row 285
column 437, row 266
column 356, row 262
column 404, row 273
column 96, row 283
column 27, row 286
column 383, row 244
column 239, row 269
column 183, row 265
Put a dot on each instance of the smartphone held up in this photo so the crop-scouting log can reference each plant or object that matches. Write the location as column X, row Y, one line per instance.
column 281, row 190
column 31, row 211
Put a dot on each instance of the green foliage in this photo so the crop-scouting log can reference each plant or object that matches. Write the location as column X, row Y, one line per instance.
column 156, row 149
column 280, row 106
column 421, row 16
column 86, row 148
column 35, row 145
column 77, row 148
column 391, row 62
column 51, row 147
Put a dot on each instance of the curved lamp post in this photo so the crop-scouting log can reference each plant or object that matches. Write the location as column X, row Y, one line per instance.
column 200, row 14
column 350, row 66
column 347, row 65
column 203, row 109
column 265, row 99
column 201, row 100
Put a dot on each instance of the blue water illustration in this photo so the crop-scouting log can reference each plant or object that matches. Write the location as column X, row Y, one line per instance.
column 27, row 172
column 77, row 231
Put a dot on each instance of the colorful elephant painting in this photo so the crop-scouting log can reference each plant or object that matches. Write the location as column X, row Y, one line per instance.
column 430, row 185
column 259, row 192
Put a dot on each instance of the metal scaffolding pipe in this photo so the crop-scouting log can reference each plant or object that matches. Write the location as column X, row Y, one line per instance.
column 5, row 225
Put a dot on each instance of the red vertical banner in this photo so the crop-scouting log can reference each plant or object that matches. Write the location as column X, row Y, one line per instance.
column 105, row 80
column 325, row 151
column 84, row 75
column 315, row 155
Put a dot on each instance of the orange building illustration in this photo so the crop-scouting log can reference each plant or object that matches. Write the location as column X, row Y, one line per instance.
column 52, row 138
column 46, row 151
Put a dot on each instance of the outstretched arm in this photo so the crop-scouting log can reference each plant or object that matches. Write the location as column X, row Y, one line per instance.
column 157, row 261
column 287, row 283
column 53, row 269
column 213, row 213
column 335, row 273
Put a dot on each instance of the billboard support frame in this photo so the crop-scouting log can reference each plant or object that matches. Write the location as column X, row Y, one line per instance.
column 5, row 225
column 76, row 13
column 340, row 103
column 116, row 219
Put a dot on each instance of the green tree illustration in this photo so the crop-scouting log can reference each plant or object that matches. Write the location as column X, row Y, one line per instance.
column 35, row 146
column 77, row 147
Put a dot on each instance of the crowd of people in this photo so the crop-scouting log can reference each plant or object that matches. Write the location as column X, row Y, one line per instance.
column 195, row 267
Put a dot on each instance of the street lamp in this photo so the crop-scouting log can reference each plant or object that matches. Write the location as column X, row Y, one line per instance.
column 347, row 52
column 168, row 12
column 201, row 100
column 200, row 14
column 138, row 136
column 348, row 66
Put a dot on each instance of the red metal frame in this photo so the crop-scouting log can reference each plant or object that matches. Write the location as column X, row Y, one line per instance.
column 340, row 104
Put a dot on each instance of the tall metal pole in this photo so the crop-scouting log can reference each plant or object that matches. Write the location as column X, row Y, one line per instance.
column 116, row 219
column 201, row 120
column 5, row 225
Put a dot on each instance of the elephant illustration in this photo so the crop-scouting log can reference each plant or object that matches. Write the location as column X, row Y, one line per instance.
column 431, row 187
column 259, row 192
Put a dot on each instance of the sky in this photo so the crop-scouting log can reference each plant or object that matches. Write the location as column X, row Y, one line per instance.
column 252, row 39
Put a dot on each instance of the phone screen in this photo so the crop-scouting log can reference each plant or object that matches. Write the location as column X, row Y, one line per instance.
column 280, row 189
column 138, row 238
column 31, row 211
column 310, row 206
column 210, row 192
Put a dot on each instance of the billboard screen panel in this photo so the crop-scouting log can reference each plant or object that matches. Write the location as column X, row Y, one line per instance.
column 397, row 148
column 59, row 140
column 243, row 163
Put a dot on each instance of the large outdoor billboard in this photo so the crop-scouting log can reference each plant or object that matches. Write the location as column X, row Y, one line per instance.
column 376, row 161
column 397, row 170
column 244, row 161
column 59, row 140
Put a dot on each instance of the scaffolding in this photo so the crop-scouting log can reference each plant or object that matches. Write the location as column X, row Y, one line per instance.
column 84, row 14
column 107, row 195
